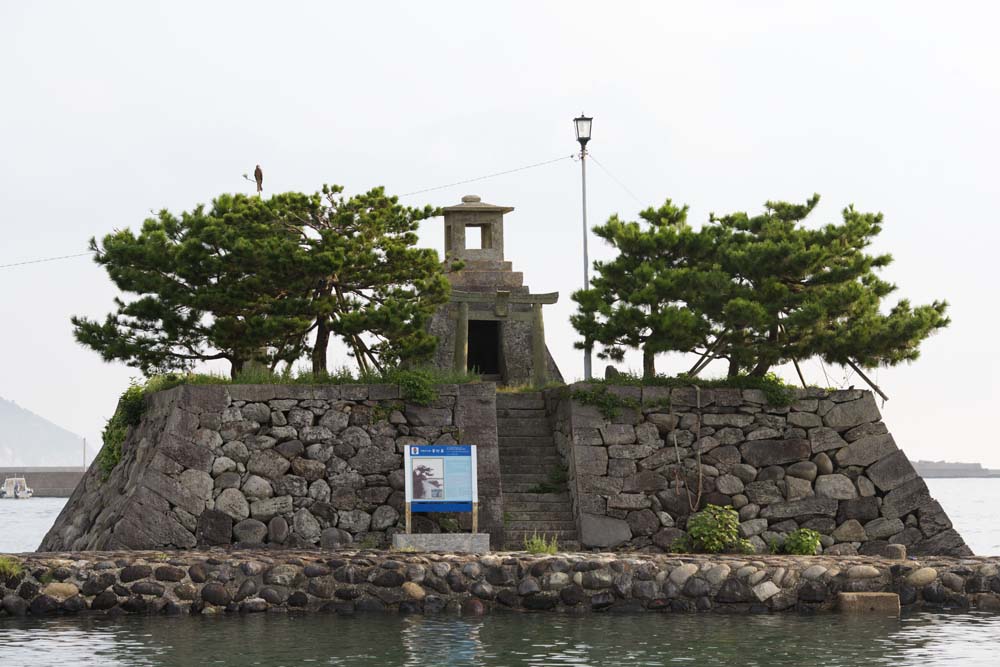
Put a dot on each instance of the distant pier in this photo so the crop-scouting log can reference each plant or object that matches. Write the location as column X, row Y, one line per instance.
column 48, row 482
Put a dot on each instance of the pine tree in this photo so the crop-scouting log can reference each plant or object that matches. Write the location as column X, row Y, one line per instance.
column 756, row 291
column 640, row 298
column 270, row 280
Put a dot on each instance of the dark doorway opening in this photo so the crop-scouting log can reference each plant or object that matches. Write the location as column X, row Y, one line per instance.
column 484, row 347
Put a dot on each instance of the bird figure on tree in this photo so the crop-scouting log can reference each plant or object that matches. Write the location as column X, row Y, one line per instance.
column 258, row 176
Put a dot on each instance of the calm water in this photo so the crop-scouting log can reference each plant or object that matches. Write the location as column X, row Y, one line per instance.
column 23, row 523
column 510, row 639
column 505, row 640
column 969, row 502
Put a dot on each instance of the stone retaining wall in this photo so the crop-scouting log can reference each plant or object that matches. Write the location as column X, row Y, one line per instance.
column 346, row 582
column 276, row 464
column 825, row 462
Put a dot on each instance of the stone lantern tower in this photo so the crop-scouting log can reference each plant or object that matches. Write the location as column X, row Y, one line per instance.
column 493, row 323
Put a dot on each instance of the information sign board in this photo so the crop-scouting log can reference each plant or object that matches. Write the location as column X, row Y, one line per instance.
column 441, row 478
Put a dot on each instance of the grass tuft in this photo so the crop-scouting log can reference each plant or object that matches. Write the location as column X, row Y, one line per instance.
column 10, row 567
column 539, row 544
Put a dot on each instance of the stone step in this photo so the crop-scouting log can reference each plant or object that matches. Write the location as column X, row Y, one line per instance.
column 533, row 441
column 557, row 509
column 503, row 413
column 530, row 455
column 539, row 515
column 521, row 401
column 514, row 427
column 540, row 526
column 527, row 467
column 521, row 487
column 515, row 452
column 536, row 477
column 511, row 498
column 541, row 474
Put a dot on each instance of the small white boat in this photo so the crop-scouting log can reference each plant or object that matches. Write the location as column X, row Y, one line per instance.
column 15, row 487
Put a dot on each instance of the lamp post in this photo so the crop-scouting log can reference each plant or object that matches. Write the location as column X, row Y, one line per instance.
column 583, row 124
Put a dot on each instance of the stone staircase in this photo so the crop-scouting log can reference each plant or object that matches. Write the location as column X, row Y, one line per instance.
column 528, row 457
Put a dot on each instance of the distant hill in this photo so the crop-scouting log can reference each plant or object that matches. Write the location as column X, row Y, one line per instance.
column 29, row 440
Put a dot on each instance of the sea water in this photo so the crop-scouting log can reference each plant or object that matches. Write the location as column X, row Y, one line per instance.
column 511, row 639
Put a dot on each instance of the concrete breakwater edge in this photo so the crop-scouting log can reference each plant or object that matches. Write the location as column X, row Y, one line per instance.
column 347, row 582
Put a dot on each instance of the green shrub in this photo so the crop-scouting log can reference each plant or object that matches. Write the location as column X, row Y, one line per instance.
column 10, row 567
column 801, row 542
column 128, row 413
column 715, row 529
column 608, row 404
column 539, row 544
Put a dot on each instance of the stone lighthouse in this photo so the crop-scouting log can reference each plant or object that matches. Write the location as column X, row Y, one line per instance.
column 492, row 324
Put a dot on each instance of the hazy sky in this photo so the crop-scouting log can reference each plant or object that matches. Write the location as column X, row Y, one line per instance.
column 112, row 109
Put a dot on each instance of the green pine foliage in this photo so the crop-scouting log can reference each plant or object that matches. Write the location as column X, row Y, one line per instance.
column 755, row 291
column 270, row 281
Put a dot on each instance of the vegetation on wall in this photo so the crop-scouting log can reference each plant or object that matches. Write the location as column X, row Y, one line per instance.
column 270, row 281
column 755, row 291
column 127, row 414
column 416, row 385
column 713, row 530
column 801, row 542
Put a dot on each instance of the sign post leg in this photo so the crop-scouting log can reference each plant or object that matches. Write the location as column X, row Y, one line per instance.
column 475, row 518
column 408, row 519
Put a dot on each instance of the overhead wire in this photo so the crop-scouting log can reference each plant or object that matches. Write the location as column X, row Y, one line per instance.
column 405, row 194
column 483, row 178
column 44, row 259
column 617, row 180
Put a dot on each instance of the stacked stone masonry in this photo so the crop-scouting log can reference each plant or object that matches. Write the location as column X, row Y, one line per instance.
column 278, row 465
column 825, row 462
column 347, row 582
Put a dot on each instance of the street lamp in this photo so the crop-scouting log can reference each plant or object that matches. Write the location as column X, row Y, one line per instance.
column 583, row 124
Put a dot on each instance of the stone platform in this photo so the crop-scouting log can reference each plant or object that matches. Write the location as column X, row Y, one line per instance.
column 464, row 543
column 346, row 582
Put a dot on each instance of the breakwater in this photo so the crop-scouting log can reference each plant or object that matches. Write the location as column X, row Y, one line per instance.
column 348, row 582
column 48, row 482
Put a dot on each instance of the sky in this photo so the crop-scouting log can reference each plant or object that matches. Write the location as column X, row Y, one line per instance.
column 113, row 109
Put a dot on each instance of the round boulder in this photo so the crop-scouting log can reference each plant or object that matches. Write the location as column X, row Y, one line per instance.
column 232, row 502
column 250, row 531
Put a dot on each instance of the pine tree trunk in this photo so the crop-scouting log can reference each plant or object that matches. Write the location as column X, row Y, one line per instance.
column 734, row 368
column 320, row 347
column 236, row 368
column 648, row 363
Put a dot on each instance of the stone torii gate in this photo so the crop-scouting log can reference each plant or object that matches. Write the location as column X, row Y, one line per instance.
column 492, row 323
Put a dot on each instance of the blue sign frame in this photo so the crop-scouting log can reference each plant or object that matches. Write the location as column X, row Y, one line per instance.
column 441, row 478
